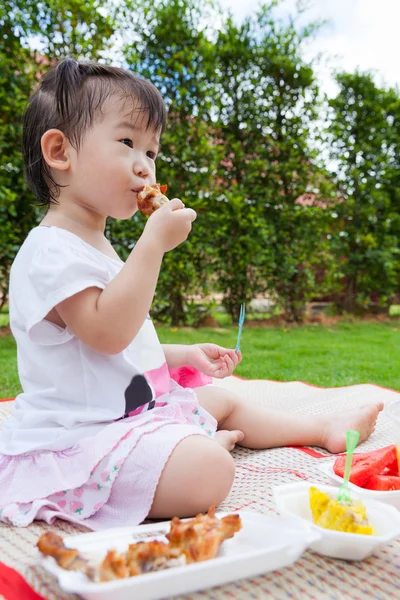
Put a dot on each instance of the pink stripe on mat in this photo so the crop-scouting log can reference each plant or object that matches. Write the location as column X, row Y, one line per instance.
column 308, row 451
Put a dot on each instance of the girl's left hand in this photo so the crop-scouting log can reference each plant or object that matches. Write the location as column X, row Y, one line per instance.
column 213, row 360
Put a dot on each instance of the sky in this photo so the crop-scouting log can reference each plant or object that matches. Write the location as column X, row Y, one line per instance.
column 359, row 34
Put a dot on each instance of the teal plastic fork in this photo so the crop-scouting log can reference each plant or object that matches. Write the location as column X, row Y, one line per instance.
column 242, row 316
column 351, row 443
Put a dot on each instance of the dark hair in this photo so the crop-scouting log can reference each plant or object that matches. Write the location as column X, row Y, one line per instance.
column 69, row 98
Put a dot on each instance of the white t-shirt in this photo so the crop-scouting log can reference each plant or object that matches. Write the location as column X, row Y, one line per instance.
column 70, row 391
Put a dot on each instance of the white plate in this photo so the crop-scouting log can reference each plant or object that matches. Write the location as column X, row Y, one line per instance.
column 293, row 501
column 263, row 544
column 391, row 497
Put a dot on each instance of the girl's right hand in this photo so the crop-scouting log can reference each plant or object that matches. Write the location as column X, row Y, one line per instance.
column 170, row 225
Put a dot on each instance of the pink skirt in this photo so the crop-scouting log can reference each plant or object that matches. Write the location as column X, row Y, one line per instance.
column 107, row 480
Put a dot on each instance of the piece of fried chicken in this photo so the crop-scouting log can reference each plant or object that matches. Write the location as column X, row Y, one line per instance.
column 51, row 544
column 200, row 538
column 151, row 198
column 141, row 557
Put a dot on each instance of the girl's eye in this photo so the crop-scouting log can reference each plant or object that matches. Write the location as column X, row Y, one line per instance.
column 151, row 155
column 127, row 142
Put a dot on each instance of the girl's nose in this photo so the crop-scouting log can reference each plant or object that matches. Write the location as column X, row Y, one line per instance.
column 140, row 168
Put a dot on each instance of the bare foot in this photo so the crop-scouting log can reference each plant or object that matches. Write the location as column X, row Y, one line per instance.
column 228, row 439
column 362, row 419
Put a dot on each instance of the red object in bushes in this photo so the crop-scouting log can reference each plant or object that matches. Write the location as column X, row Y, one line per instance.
column 367, row 464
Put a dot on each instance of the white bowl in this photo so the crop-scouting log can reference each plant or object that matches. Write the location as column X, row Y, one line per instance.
column 293, row 500
column 390, row 497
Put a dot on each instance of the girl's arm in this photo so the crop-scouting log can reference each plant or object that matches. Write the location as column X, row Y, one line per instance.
column 175, row 355
column 109, row 319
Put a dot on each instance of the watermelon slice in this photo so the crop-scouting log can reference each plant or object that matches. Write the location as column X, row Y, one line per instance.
column 367, row 464
column 384, row 483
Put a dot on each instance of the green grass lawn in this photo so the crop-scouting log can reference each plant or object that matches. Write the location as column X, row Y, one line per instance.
column 4, row 320
column 343, row 354
column 9, row 384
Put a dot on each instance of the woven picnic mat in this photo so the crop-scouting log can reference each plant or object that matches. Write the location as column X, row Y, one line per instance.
column 312, row 576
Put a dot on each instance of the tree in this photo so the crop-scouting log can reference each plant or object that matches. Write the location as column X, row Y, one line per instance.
column 58, row 29
column 241, row 227
column 364, row 131
column 267, row 106
column 16, row 80
column 77, row 28
column 173, row 51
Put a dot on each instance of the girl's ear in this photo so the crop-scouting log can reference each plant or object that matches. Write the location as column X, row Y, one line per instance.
column 55, row 149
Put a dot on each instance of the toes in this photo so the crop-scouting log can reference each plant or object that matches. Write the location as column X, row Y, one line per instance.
column 235, row 437
column 238, row 435
column 375, row 406
column 373, row 411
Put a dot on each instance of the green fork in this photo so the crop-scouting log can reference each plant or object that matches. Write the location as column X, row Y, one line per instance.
column 351, row 443
column 240, row 322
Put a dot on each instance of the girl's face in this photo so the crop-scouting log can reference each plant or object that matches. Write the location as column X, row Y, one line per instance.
column 115, row 160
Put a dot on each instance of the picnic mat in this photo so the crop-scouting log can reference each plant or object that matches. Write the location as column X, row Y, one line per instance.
column 312, row 576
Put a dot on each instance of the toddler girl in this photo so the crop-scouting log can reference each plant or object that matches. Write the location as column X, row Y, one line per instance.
column 101, row 432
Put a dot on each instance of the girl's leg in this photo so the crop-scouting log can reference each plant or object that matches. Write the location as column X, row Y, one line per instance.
column 266, row 428
column 198, row 474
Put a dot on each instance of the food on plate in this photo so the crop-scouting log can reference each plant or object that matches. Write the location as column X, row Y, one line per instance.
column 51, row 544
column 152, row 197
column 188, row 541
column 142, row 557
column 368, row 466
column 328, row 513
column 200, row 538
